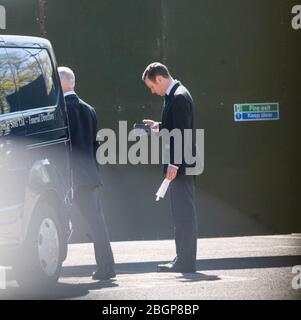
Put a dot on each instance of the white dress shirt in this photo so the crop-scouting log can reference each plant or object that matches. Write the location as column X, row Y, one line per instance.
column 69, row 93
column 173, row 82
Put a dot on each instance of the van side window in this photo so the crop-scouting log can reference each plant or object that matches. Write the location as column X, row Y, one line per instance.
column 34, row 77
column 46, row 66
column 8, row 95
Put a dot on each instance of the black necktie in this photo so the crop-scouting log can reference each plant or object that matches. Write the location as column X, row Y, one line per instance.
column 166, row 99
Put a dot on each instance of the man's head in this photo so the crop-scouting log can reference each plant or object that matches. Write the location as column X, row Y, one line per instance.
column 157, row 78
column 67, row 79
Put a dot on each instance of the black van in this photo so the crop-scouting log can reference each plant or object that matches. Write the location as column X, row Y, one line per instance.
column 35, row 174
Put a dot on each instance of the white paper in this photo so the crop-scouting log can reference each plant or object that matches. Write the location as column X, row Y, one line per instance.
column 162, row 190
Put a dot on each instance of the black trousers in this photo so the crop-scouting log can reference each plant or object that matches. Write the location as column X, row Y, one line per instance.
column 183, row 208
column 88, row 201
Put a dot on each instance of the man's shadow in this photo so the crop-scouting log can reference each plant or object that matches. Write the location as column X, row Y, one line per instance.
column 69, row 290
column 74, row 290
column 61, row 290
column 121, row 268
column 198, row 276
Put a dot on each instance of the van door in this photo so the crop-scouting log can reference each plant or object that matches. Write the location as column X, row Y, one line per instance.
column 47, row 132
column 12, row 168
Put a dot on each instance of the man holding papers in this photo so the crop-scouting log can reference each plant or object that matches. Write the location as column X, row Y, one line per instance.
column 178, row 113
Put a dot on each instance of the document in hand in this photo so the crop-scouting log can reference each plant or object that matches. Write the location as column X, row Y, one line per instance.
column 162, row 190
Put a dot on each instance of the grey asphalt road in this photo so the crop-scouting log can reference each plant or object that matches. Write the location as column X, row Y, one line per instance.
column 257, row 267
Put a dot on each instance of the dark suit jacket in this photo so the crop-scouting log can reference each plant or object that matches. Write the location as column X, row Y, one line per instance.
column 178, row 113
column 83, row 130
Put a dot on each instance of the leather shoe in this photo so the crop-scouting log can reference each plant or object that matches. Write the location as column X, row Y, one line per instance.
column 101, row 275
column 173, row 267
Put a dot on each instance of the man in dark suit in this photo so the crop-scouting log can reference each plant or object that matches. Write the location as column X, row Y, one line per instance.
column 178, row 113
column 86, row 177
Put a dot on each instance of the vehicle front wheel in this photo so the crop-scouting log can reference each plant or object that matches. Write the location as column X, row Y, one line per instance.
column 40, row 261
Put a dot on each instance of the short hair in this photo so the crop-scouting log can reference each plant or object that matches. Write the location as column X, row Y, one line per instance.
column 155, row 69
column 66, row 74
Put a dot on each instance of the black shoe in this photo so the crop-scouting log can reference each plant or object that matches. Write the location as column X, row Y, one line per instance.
column 101, row 275
column 173, row 267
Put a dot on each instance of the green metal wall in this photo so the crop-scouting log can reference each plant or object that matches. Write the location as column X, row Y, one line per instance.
column 225, row 52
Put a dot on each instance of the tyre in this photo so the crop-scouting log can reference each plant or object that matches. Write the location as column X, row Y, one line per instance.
column 40, row 261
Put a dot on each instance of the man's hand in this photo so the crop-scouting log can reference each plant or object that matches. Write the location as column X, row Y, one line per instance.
column 171, row 173
column 153, row 125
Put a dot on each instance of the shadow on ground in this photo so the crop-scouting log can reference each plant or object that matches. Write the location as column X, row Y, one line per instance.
column 76, row 290
column 202, row 265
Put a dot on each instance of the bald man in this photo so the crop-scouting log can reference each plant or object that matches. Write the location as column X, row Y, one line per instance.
column 86, row 177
